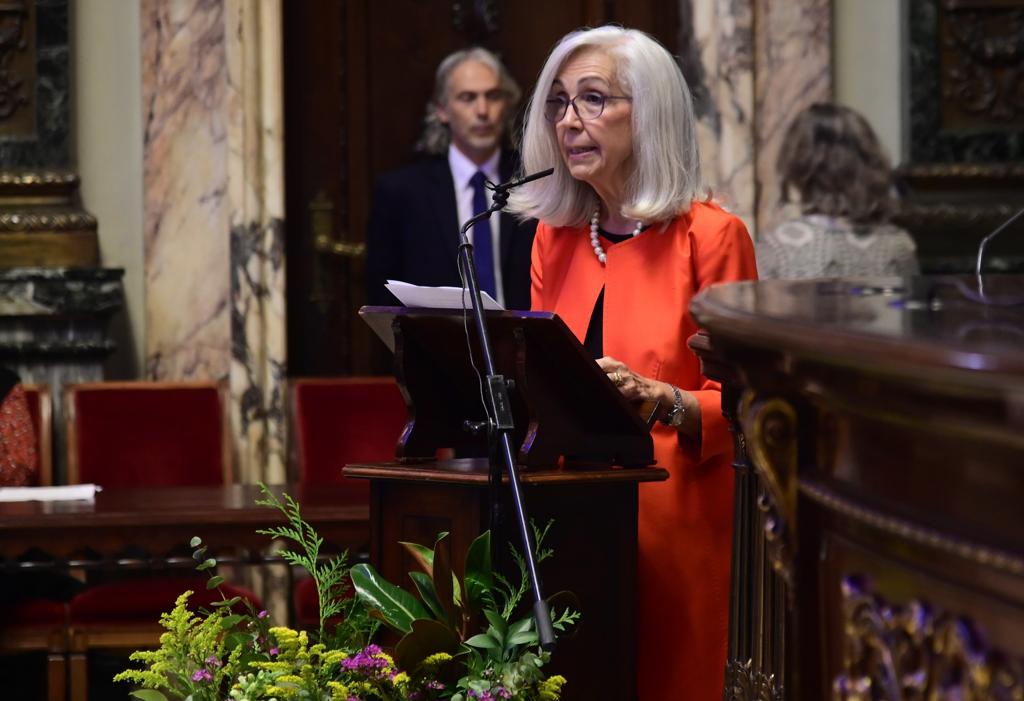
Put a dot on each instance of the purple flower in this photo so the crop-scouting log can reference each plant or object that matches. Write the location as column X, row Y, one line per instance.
column 214, row 661
column 273, row 652
column 202, row 675
column 434, row 684
column 369, row 662
column 262, row 614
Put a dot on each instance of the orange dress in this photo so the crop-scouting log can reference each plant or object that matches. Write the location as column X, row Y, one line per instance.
column 685, row 524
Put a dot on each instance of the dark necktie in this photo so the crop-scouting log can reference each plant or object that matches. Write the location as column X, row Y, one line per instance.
column 483, row 246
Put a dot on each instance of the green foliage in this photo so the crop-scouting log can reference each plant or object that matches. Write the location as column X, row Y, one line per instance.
column 356, row 629
column 196, row 658
column 219, row 654
column 504, row 661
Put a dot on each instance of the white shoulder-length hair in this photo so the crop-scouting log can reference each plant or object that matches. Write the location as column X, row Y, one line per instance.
column 666, row 175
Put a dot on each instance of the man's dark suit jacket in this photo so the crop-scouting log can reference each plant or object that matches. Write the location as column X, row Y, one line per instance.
column 414, row 232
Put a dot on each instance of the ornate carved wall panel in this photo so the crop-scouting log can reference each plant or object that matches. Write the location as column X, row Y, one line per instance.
column 965, row 130
column 967, row 81
column 34, row 98
column 17, row 69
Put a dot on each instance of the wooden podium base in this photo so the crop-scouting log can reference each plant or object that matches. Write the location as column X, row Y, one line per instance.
column 594, row 540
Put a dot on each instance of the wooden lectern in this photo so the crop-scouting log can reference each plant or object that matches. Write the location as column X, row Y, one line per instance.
column 575, row 434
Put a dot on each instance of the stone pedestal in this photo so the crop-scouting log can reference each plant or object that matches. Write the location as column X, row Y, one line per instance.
column 53, row 330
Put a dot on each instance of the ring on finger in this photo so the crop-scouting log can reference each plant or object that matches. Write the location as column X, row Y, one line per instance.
column 617, row 378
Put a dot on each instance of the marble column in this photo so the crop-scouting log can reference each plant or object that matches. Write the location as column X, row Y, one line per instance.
column 752, row 65
column 723, row 89
column 213, row 176
column 793, row 69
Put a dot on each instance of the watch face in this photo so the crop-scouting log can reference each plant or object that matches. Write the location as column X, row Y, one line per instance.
column 676, row 420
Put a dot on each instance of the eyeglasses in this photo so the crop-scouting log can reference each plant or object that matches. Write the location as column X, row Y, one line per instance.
column 587, row 105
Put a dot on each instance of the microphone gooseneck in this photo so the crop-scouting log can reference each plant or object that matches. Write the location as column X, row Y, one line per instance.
column 522, row 181
column 985, row 241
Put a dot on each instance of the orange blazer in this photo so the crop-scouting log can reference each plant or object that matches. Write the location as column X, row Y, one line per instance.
column 685, row 524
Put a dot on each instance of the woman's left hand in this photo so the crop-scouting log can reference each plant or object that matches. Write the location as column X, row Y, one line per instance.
column 635, row 387
column 640, row 389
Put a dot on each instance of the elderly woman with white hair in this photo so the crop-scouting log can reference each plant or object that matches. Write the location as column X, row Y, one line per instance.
column 626, row 239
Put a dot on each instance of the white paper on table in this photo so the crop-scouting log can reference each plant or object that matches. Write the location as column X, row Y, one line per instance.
column 70, row 492
column 436, row 297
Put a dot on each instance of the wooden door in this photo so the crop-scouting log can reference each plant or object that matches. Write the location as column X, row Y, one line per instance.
column 358, row 74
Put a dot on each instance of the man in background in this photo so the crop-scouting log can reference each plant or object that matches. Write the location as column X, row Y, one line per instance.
column 417, row 211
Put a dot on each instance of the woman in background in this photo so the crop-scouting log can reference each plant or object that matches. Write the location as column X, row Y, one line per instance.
column 625, row 241
column 833, row 168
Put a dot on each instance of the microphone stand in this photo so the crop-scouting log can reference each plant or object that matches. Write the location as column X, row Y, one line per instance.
column 499, row 409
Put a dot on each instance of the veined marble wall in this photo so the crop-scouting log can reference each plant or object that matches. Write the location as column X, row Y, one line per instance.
column 793, row 68
column 752, row 65
column 213, row 181
column 723, row 32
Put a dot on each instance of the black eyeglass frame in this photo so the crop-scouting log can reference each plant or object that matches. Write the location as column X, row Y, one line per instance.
column 566, row 102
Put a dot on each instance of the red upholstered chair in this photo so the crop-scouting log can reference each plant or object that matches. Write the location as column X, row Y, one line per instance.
column 142, row 434
column 341, row 420
column 147, row 434
column 39, row 624
column 337, row 421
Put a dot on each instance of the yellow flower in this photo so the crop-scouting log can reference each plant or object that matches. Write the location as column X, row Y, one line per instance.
column 400, row 678
column 339, row 692
column 551, row 688
column 332, row 657
column 437, row 658
column 272, row 666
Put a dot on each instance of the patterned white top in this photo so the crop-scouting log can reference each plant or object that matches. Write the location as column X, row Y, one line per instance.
column 816, row 245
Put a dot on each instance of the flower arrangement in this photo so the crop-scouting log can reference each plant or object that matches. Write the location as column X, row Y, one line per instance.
column 461, row 638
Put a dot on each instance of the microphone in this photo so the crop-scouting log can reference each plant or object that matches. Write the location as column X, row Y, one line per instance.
column 504, row 187
column 985, row 241
column 500, row 197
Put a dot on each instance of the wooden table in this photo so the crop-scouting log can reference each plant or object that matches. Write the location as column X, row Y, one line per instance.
column 162, row 520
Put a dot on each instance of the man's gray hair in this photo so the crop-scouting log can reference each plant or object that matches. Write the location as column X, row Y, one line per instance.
column 666, row 174
column 436, row 136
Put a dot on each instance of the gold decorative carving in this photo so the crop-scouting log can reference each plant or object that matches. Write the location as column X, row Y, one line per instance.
column 42, row 223
column 917, row 653
column 49, row 221
column 743, row 683
column 999, row 171
column 906, row 530
column 38, row 177
column 770, row 427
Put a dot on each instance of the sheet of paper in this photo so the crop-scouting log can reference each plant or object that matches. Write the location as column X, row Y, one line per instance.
column 436, row 297
column 70, row 492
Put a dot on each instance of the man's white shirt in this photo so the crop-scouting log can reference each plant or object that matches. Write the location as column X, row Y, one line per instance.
column 463, row 170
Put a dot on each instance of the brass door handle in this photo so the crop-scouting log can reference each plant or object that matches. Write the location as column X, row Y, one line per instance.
column 321, row 211
column 324, row 244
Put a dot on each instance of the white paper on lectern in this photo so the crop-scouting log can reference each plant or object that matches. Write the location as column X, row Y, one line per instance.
column 436, row 297
column 69, row 492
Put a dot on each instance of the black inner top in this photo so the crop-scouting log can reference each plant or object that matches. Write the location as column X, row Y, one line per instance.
column 594, row 341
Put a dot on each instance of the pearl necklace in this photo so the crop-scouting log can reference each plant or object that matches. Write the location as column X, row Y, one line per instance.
column 596, row 242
